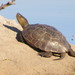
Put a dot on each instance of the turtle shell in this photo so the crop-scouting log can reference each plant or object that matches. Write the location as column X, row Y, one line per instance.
column 46, row 38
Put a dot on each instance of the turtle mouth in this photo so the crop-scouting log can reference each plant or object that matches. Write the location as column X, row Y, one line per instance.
column 18, row 15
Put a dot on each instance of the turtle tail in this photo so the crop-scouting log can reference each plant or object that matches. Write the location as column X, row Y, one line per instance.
column 71, row 53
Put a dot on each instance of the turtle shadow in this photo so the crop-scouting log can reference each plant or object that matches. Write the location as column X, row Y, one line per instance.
column 15, row 30
column 18, row 37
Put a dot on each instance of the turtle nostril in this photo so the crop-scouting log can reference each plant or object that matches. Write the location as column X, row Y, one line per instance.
column 18, row 14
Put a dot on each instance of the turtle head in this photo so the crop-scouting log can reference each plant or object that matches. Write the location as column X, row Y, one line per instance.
column 22, row 20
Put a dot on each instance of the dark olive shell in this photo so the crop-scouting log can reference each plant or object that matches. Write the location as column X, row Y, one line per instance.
column 46, row 38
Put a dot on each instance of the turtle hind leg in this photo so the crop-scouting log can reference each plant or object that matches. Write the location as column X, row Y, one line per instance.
column 45, row 54
column 62, row 55
column 71, row 53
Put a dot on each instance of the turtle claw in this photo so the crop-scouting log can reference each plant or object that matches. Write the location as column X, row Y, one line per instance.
column 62, row 55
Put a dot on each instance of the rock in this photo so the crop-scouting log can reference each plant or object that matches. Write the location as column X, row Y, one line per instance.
column 17, row 58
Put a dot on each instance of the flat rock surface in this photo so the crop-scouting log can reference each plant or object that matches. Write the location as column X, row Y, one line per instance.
column 17, row 58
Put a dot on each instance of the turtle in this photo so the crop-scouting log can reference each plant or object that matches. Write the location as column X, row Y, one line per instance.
column 46, row 38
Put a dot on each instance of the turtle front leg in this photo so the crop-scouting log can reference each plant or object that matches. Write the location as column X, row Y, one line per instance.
column 45, row 54
column 19, row 37
column 22, row 40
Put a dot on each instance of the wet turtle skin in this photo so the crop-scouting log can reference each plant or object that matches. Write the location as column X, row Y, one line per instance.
column 46, row 38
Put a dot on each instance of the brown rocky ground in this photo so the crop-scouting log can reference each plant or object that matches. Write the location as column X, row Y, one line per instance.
column 17, row 58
